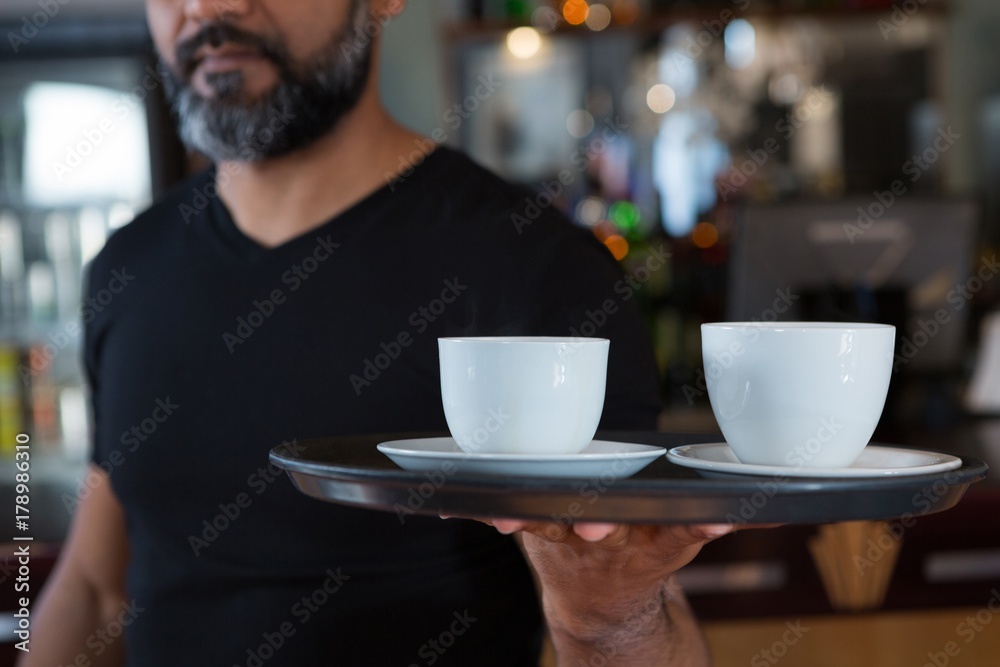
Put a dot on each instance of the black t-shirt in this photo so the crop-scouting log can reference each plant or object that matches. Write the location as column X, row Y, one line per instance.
column 205, row 350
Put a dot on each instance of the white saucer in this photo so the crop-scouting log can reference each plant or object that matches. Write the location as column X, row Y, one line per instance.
column 874, row 461
column 600, row 459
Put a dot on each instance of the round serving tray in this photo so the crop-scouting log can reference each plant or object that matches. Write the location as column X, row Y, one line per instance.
column 351, row 471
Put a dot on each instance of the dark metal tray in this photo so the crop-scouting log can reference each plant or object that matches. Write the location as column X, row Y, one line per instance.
column 351, row 471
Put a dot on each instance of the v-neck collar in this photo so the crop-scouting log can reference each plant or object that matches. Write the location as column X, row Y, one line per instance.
column 244, row 247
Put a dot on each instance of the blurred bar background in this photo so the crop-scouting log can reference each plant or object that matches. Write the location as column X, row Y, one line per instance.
column 839, row 153
column 795, row 159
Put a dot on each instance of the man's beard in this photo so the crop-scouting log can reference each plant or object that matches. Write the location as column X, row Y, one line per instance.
column 305, row 104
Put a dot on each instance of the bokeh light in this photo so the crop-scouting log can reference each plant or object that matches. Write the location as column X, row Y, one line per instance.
column 545, row 19
column 590, row 210
column 660, row 98
column 704, row 235
column 524, row 42
column 599, row 17
column 786, row 89
column 575, row 11
column 580, row 123
column 741, row 44
column 617, row 245
column 625, row 12
column 625, row 215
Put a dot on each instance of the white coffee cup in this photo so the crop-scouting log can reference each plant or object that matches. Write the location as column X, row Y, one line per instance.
column 525, row 395
column 799, row 394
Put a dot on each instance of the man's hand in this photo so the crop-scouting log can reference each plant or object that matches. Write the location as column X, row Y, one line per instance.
column 608, row 592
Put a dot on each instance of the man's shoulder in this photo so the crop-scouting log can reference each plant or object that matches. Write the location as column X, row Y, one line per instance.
column 165, row 219
column 477, row 202
column 458, row 169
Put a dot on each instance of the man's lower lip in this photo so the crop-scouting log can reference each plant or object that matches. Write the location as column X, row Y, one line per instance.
column 229, row 62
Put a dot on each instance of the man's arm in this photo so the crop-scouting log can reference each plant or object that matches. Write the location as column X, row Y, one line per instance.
column 608, row 591
column 87, row 588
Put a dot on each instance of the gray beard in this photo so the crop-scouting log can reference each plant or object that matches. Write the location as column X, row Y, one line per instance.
column 301, row 108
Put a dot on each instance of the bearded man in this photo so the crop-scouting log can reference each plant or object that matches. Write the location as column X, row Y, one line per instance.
column 263, row 288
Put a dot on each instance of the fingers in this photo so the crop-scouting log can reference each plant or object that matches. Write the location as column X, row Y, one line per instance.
column 508, row 526
column 597, row 532
column 557, row 532
column 760, row 525
column 608, row 534
column 617, row 534
column 711, row 531
column 551, row 531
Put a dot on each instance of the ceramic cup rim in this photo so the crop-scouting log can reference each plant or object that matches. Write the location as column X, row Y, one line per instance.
column 799, row 326
column 531, row 340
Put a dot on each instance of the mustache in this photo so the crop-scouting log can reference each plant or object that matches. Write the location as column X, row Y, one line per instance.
column 214, row 35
